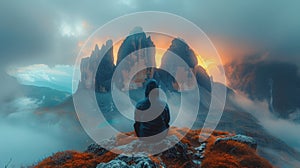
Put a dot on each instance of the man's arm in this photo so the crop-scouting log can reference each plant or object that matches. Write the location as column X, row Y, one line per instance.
column 167, row 114
column 136, row 124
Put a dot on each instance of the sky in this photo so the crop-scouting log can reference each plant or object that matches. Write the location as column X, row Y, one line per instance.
column 52, row 32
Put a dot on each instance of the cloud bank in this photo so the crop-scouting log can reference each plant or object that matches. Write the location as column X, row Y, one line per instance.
column 285, row 130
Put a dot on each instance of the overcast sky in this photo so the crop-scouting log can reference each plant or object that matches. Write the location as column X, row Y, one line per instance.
column 48, row 32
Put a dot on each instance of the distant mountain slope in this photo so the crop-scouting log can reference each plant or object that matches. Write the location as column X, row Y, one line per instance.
column 46, row 96
column 276, row 82
column 41, row 97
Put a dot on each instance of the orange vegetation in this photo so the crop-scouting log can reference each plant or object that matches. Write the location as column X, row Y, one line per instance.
column 75, row 159
column 234, row 155
column 70, row 159
column 226, row 154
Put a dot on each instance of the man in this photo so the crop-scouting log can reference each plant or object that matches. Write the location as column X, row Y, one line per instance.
column 152, row 115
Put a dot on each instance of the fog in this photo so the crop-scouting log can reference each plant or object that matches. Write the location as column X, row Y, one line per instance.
column 286, row 130
column 27, row 138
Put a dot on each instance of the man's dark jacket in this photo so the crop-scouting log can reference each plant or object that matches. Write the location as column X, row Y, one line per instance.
column 157, row 125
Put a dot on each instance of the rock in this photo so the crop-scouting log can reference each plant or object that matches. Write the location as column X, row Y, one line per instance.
column 138, row 146
column 142, row 148
column 177, row 151
column 184, row 153
column 197, row 162
column 258, row 79
column 132, row 49
column 96, row 149
column 106, row 68
column 165, row 79
column 113, row 164
column 186, row 69
column 181, row 49
column 240, row 138
column 137, row 161
column 129, row 162
column 147, row 163
column 135, row 42
column 202, row 77
column 97, row 70
column 201, row 147
column 62, row 157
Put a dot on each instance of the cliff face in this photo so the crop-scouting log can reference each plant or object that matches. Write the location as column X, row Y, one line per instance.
column 132, row 48
column 276, row 82
column 139, row 51
column 180, row 48
column 222, row 149
column 105, row 69
column 182, row 72
column 103, row 73
column 135, row 41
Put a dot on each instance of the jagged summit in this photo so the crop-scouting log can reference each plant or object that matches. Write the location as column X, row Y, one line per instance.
column 135, row 42
column 132, row 49
column 102, row 69
column 182, row 49
column 136, row 30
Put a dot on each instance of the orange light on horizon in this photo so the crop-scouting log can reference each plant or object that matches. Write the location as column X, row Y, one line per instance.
column 162, row 46
column 201, row 62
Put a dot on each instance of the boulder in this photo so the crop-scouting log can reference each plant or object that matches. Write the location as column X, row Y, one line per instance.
column 240, row 138
column 113, row 164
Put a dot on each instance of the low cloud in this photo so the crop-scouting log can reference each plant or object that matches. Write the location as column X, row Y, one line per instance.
column 286, row 130
column 23, row 131
column 58, row 77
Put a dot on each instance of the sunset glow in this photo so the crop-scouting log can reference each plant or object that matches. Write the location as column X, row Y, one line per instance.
column 161, row 44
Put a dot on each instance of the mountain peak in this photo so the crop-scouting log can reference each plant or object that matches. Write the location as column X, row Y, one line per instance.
column 96, row 47
column 136, row 30
column 181, row 49
column 99, row 65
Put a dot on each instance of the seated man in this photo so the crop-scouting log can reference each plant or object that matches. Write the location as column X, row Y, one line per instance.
column 152, row 114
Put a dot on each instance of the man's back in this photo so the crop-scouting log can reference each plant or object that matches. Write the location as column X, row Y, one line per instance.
column 152, row 115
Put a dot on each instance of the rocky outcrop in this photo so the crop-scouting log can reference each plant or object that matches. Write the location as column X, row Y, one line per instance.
column 135, row 41
column 202, row 77
column 106, row 68
column 221, row 148
column 129, row 162
column 240, row 138
column 276, row 82
column 139, row 50
column 97, row 70
column 165, row 79
column 114, row 163
column 181, row 49
column 183, row 71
